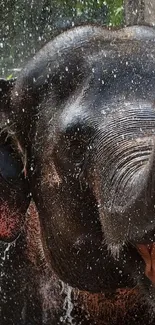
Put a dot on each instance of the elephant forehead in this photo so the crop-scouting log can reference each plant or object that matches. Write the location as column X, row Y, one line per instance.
column 75, row 123
column 71, row 115
column 75, row 112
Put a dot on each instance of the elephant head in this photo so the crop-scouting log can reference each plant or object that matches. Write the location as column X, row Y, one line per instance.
column 85, row 105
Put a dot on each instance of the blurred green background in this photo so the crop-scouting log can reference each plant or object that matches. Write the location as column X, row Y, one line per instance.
column 26, row 25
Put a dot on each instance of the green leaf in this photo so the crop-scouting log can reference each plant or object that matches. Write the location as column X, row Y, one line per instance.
column 10, row 76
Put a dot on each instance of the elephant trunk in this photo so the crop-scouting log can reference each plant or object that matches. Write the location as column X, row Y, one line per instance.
column 125, row 174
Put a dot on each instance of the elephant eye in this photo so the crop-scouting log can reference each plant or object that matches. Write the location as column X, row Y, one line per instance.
column 76, row 151
column 72, row 147
column 76, row 139
column 11, row 166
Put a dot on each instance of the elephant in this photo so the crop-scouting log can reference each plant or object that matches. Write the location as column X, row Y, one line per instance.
column 83, row 112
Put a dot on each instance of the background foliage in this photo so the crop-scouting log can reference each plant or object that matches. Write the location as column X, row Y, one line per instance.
column 25, row 25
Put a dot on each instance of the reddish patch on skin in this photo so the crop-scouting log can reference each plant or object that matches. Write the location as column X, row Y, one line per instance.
column 10, row 222
column 148, row 254
column 108, row 308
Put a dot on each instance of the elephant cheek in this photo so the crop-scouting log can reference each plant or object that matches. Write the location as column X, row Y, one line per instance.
column 11, row 223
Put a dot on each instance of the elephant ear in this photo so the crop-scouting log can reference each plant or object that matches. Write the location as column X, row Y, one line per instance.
column 5, row 85
column 5, row 93
column 14, row 188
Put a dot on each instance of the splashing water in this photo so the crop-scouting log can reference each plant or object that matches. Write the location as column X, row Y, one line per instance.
column 4, row 255
column 67, row 305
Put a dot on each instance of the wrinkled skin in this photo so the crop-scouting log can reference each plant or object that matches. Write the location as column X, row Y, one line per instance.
column 85, row 108
column 87, row 101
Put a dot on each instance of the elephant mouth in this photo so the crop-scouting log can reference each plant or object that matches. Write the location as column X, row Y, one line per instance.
column 147, row 252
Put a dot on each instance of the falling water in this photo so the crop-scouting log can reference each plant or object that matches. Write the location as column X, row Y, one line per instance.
column 67, row 305
column 5, row 253
column 4, row 256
